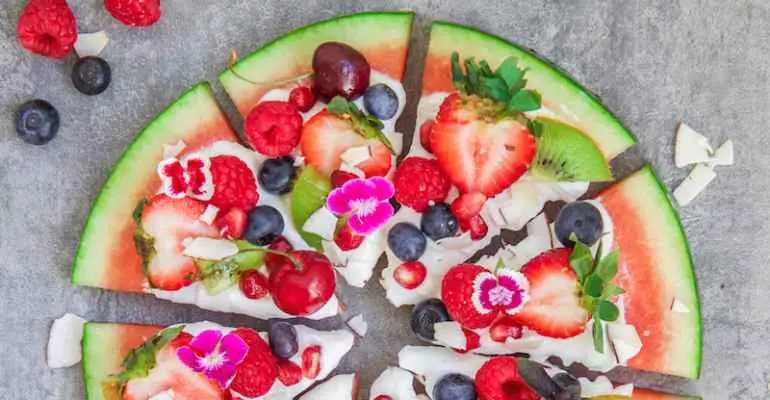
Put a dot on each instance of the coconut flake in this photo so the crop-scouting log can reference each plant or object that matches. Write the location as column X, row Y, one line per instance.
column 356, row 155
column 91, row 44
column 209, row 214
column 394, row 382
column 322, row 222
column 694, row 184
column 64, row 348
column 450, row 333
column 625, row 340
column 352, row 169
column 165, row 395
column 209, row 249
column 299, row 161
column 679, row 307
column 358, row 325
column 173, row 150
column 691, row 147
column 723, row 155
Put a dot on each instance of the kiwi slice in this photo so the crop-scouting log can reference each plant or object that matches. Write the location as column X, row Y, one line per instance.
column 566, row 154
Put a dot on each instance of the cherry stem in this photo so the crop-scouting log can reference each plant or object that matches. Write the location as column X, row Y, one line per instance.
column 288, row 256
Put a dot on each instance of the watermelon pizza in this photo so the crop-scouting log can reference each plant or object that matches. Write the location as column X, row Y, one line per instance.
column 261, row 222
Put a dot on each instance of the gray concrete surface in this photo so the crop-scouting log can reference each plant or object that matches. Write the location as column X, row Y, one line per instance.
column 653, row 62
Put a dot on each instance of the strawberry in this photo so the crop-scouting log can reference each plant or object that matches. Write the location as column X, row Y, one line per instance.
column 472, row 341
column 410, row 275
column 476, row 226
column 47, row 28
column 468, row 205
column 504, row 328
column 345, row 238
column 170, row 373
column 326, row 136
column 425, row 131
column 136, row 13
column 256, row 374
column 302, row 98
column 479, row 151
column 311, row 362
column 419, row 181
column 554, row 307
column 167, row 222
column 232, row 224
column 280, row 244
column 273, row 128
column 289, row 373
column 339, row 177
column 499, row 379
column 457, row 292
column 234, row 184
column 253, row 284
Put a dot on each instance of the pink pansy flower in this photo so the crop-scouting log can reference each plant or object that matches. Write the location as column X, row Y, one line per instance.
column 214, row 355
column 506, row 291
column 365, row 202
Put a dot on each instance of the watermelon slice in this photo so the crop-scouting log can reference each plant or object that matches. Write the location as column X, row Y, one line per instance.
column 107, row 257
column 570, row 102
column 655, row 269
column 646, row 394
column 382, row 37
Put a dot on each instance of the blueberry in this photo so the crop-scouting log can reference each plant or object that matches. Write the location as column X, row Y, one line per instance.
column 426, row 314
column 582, row 219
column 283, row 339
column 381, row 101
column 277, row 175
column 438, row 222
column 265, row 224
column 406, row 241
column 91, row 75
column 37, row 122
column 454, row 387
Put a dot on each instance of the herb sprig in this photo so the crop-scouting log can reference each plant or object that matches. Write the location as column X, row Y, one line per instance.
column 505, row 85
column 142, row 359
column 595, row 275
column 367, row 125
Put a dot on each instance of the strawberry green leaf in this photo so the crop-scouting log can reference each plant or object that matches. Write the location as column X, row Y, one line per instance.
column 598, row 334
column 458, row 77
column 524, row 100
column 535, row 128
column 611, row 290
column 473, row 75
column 593, row 286
column 485, row 69
column 581, row 261
column 607, row 311
column 338, row 106
column 142, row 359
column 494, row 88
column 510, row 72
column 607, row 267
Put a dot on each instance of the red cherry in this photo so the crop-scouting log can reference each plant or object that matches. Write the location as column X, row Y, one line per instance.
column 311, row 362
column 339, row 70
column 253, row 284
column 410, row 275
column 303, row 288
column 280, row 244
column 302, row 98
column 504, row 328
column 340, row 177
column 425, row 131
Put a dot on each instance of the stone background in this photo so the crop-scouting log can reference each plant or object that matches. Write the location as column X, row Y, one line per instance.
column 653, row 63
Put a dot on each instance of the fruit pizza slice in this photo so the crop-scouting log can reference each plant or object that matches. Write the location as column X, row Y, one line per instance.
column 501, row 133
column 203, row 360
column 324, row 100
column 608, row 283
column 186, row 215
column 448, row 375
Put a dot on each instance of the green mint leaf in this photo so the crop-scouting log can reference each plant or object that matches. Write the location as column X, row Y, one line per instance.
column 510, row 72
column 139, row 361
column 458, row 77
column 593, row 286
column 494, row 88
column 581, row 261
column 611, row 290
column 607, row 267
column 535, row 128
column 598, row 334
column 308, row 195
column 485, row 70
column 524, row 100
column 607, row 311
column 338, row 106
column 473, row 75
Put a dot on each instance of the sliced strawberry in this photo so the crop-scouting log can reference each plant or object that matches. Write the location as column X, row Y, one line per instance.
column 476, row 226
column 410, row 275
column 553, row 308
column 339, row 177
column 468, row 205
column 169, row 222
column 326, row 136
column 479, row 153
column 456, row 293
column 311, row 362
column 472, row 341
column 504, row 328
column 289, row 373
column 425, row 131
column 232, row 224
column 346, row 239
column 170, row 373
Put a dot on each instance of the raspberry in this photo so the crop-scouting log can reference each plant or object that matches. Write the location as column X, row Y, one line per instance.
column 289, row 373
column 273, row 128
column 477, row 227
column 425, row 131
column 419, row 181
column 311, row 362
column 339, row 177
column 257, row 373
column 47, row 28
column 456, row 293
column 253, row 284
column 302, row 98
column 346, row 239
column 499, row 379
column 280, row 244
column 234, row 184
column 136, row 13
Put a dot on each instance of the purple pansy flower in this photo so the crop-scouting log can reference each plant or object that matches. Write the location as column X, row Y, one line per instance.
column 214, row 355
column 506, row 291
column 365, row 202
